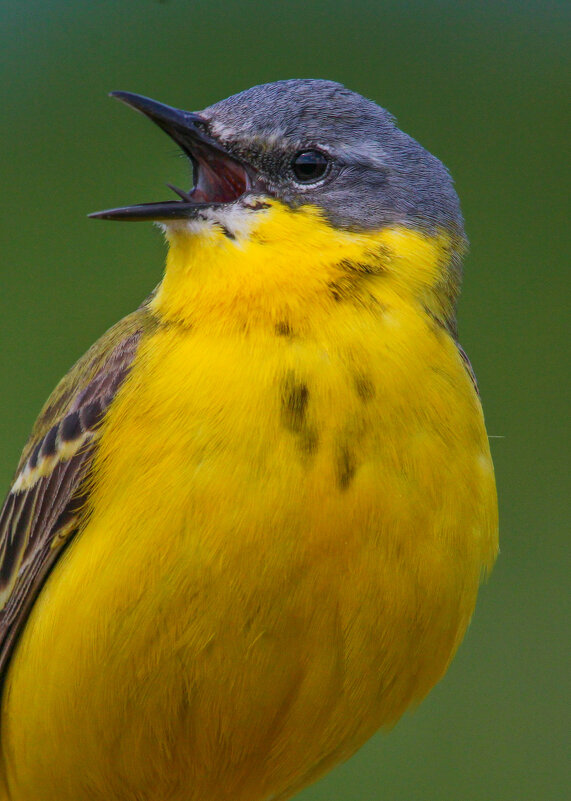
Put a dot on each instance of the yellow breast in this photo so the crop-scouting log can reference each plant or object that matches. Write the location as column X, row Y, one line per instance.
column 293, row 502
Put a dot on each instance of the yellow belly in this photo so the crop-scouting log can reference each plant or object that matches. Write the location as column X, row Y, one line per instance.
column 282, row 556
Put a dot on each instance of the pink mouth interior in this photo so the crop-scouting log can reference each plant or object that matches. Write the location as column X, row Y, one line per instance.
column 220, row 179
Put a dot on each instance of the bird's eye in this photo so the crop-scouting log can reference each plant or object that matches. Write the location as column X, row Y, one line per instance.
column 309, row 166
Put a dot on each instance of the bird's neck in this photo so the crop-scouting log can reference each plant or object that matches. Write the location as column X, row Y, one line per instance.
column 279, row 267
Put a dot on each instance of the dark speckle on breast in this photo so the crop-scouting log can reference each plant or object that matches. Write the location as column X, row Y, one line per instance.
column 346, row 466
column 226, row 231
column 308, row 440
column 294, row 404
column 340, row 290
column 295, row 396
column 364, row 387
column 283, row 329
column 372, row 267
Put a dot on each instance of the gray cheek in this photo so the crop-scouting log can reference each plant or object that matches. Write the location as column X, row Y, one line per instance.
column 351, row 203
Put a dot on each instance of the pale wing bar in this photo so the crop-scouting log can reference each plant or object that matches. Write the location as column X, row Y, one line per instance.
column 47, row 502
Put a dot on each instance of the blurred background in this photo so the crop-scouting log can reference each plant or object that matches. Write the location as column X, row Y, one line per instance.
column 481, row 85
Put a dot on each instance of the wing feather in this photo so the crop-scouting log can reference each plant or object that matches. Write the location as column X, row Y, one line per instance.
column 45, row 507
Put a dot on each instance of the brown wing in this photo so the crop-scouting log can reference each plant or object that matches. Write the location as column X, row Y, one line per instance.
column 45, row 506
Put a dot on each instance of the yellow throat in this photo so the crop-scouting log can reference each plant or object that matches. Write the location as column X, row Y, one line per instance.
column 291, row 266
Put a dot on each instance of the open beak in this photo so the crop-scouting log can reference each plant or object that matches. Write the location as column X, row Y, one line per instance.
column 219, row 178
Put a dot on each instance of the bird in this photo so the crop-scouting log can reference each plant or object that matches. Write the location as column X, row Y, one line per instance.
column 249, row 526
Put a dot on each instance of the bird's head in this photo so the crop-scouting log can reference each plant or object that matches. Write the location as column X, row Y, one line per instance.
column 307, row 150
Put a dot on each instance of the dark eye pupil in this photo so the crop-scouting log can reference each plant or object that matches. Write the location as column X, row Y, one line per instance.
column 309, row 165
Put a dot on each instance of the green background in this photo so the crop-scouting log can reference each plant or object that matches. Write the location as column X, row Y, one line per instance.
column 479, row 84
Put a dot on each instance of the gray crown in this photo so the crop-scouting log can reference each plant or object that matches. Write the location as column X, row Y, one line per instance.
column 380, row 175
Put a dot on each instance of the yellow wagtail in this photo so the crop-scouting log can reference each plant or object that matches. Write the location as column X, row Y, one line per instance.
column 249, row 525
